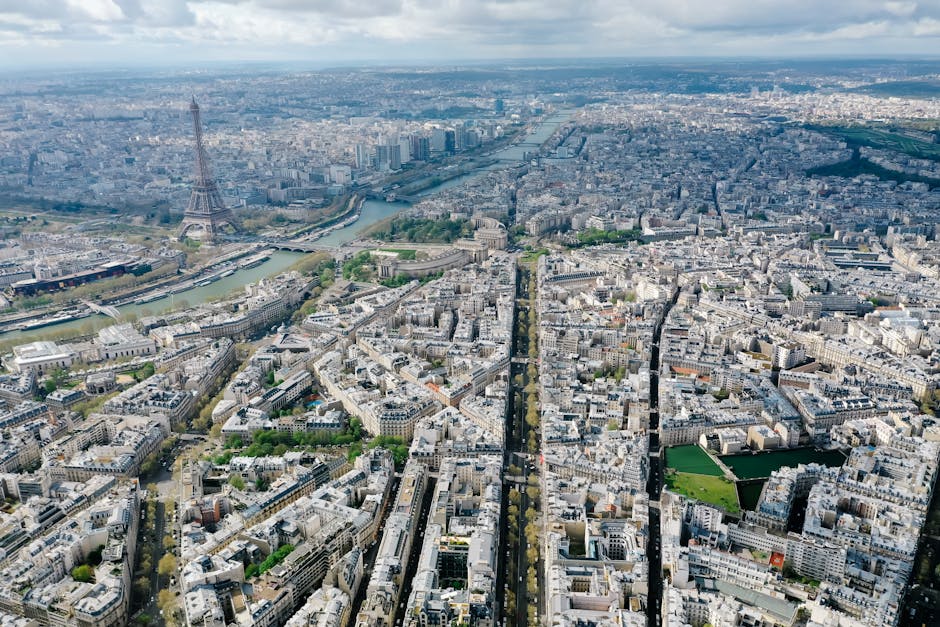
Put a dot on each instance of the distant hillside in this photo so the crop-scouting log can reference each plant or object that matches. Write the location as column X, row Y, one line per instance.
column 903, row 89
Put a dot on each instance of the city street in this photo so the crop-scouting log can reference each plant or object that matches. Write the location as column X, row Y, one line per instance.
column 654, row 484
column 516, row 454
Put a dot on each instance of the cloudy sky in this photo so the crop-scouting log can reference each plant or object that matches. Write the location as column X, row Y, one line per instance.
column 127, row 32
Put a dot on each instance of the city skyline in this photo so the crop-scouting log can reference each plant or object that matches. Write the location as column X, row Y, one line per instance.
column 172, row 32
column 555, row 343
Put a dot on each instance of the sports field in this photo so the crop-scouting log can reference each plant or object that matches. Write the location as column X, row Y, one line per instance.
column 691, row 459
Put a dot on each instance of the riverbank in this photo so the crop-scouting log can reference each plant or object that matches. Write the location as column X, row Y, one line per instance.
column 350, row 218
column 175, row 282
column 350, row 224
column 353, row 205
column 277, row 262
column 443, row 176
column 244, row 260
column 374, row 211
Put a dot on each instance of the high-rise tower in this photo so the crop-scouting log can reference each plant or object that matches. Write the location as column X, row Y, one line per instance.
column 206, row 216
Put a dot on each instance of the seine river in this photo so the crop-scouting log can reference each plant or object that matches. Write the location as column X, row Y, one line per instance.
column 376, row 210
column 372, row 211
column 279, row 261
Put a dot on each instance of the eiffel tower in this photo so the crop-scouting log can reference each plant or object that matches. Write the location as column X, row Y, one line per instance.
column 206, row 216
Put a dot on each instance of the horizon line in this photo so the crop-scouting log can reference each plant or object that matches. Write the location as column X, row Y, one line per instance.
column 456, row 63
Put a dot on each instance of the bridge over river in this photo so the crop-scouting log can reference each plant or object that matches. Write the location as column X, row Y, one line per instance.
column 107, row 310
column 300, row 246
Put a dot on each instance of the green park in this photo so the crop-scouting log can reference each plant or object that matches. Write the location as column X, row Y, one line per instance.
column 692, row 472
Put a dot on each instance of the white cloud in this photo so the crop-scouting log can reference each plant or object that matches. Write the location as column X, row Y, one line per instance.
column 927, row 27
column 901, row 9
column 97, row 10
column 852, row 31
column 441, row 29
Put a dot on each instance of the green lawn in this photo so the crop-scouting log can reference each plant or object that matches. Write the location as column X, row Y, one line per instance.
column 530, row 256
column 715, row 490
column 762, row 464
column 691, row 459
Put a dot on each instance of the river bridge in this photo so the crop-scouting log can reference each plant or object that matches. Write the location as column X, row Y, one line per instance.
column 300, row 246
column 107, row 310
column 392, row 196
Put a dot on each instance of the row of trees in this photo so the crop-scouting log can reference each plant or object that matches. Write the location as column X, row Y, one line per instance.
column 532, row 536
column 533, row 422
column 532, row 418
column 513, row 540
column 393, row 443
column 592, row 237
column 108, row 287
column 318, row 264
column 152, row 462
column 531, row 531
column 407, row 229
column 270, row 442
column 265, row 443
column 146, row 540
column 202, row 423
column 166, row 565
column 272, row 560
column 403, row 279
column 97, row 289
